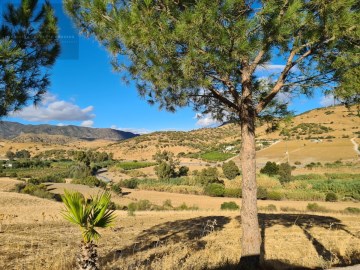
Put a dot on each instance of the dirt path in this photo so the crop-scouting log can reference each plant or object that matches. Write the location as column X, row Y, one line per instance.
column 356, row 146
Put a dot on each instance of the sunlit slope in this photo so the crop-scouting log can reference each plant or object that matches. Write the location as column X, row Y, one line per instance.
column 306, row 151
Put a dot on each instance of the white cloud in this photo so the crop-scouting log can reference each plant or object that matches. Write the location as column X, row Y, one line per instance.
column 269, row 67
column 205, row 120
column 50, row 108
column 61, row 125
column 328, row 100
column 132, row 130
column 87, row 123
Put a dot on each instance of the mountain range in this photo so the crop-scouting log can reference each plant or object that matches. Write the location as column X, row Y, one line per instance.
column 14, row 131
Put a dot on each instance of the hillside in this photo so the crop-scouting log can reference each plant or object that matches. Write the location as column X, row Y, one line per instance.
column 319, row 135
column 34, row 133
column 326, row 132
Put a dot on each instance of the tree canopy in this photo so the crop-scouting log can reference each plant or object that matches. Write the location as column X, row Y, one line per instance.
column 29, row 46
column 196, row 52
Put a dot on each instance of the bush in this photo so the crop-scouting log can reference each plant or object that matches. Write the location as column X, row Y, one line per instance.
column 215, row 190
column 129, row 183
column 207, row 176
column 183, row 207
column 284, row 173
column 352, row 210
column 275, row 195
column 229, row 206
column 314, row 207
column 164, row 171
column 116, row 188
column 261, row 193
column 141, row 205
column 230, row 170
column 90, row 181
column 233, row 192
column 183, row 171
column 270, row 168
column 331, row 197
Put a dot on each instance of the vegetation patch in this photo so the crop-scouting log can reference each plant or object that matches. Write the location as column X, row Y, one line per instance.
column 229, row 206
column 216, row 156
column 131, row 165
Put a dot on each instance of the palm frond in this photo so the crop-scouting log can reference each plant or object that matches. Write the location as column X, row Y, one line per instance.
column 88, row 215
column 74, row 207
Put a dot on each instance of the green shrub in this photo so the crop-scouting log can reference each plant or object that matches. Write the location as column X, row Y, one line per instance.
column 331, row 197
column 183, row 171
column 90, row 181
column 164, row 171
column 116, row 188
column 314, row 207
column 167, row 205
column 19, row 187
column 229, row 206
column 215, row 190
column 233, row 192
column 261, row 193
column 142, row 205
column 270, row 168
column 129, row 183
column 284, row 173
column 207, row 176
column 275, row 195
column 184, row 207
column 352, row 210
column 230, row 169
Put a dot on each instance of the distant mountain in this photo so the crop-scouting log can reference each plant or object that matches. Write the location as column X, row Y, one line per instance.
column 12, row 130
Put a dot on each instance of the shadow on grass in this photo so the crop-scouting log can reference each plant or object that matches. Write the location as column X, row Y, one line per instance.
column 305, row 222
column 189, row 230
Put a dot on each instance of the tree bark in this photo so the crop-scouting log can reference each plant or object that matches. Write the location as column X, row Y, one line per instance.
column 88, row 258
column 251, row 239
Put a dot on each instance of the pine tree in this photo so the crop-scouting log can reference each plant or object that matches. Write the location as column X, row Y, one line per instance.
column 29, row 46
column 205, row 54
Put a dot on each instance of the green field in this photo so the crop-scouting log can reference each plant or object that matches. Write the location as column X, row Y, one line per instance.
column 132, row 165
column 216, row 156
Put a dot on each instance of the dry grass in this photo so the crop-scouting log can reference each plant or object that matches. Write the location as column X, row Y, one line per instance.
column 308, row 151
column 172, row 240
column 7, row 183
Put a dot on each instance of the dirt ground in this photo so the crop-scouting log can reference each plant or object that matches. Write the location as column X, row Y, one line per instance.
column 37, row 237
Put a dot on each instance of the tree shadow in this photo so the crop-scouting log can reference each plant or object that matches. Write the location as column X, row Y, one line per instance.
column 189, row 230
column 305, row 222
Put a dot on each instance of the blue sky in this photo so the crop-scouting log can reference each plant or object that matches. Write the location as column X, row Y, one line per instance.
column 85, row 91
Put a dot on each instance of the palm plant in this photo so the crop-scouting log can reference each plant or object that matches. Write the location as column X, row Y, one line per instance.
column 89, row 215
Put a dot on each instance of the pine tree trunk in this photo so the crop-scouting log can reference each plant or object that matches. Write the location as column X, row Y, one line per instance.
column 251, row 239
column 88, row 258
